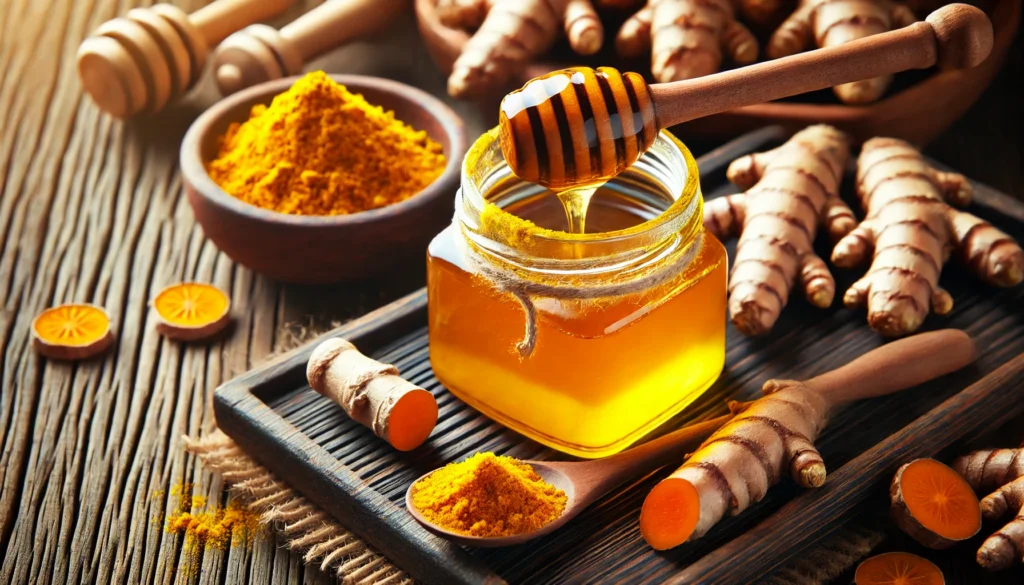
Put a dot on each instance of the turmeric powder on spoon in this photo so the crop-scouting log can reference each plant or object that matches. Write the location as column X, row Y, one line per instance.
column 488, row 495
column 319, row 149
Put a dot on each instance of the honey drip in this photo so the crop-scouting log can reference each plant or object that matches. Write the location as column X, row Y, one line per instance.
column 576, row 203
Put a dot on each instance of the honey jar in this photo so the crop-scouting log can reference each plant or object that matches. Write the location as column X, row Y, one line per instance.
column 582, row 341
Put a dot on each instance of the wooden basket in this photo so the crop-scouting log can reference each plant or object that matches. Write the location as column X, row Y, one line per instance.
column 915, row 111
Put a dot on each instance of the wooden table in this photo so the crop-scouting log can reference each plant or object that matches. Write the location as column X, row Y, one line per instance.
column 91, row 209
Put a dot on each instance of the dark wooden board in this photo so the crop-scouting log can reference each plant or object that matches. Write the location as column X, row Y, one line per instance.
column 341, row 466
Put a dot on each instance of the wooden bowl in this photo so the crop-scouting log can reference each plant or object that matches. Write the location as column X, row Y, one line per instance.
column 323, row 249
column 917, row 112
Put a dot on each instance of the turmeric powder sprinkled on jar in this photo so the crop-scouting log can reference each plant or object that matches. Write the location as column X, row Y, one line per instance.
column 319, row 149
column 488, row 496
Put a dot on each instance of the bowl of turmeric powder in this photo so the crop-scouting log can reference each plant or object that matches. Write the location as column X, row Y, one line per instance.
column 324, row 178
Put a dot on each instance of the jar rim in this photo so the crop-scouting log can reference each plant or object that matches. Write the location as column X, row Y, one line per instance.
column 682, row 205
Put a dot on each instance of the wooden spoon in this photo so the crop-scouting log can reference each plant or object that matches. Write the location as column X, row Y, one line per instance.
column 580, row 126
column 896, row 366
column 586, row 481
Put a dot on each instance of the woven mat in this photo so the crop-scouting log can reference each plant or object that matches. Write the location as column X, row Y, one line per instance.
column 323, row 541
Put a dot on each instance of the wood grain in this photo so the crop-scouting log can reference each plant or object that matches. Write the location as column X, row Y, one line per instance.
column 297, row 433
column 92, row 209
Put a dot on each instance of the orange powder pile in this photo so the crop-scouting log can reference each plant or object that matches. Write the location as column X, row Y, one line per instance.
column 206, row 527
column 319, row 149
column 488, row 495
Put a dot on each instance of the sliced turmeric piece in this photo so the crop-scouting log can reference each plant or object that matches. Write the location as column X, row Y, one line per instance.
column 190, row 311
column 72, row 332
column 373, row 394
column 898, row 568
column 933, row 504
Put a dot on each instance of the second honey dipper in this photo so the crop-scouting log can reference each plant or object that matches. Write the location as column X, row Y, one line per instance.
column 151, row 56
column 581, row 126
column 260, row 53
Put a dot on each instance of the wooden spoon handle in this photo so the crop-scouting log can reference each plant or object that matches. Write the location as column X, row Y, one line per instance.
column 897, row 365
column 955, row 36
column 601, row 475
column 337, row 22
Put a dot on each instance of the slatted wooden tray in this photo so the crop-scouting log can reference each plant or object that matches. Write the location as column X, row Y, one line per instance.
column 308, row 440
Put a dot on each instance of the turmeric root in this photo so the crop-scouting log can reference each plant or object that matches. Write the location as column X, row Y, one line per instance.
column 911, row 231
column 761, row 12
column 834, row 22
column 736, row 465
column 686, row 37
column 933, row 504
column 1001, row 470
column 898, row 567
column 509, row 33
column 372, row 394
column 790, row 191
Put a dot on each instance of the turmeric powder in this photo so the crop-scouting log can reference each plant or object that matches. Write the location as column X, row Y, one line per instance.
column 234, row 525
column 488, row 495
column 319, row 149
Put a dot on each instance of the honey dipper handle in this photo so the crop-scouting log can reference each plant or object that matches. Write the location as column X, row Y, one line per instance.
column 337, row 22
column 897, row 365
column 218, row 19
column 955, row 36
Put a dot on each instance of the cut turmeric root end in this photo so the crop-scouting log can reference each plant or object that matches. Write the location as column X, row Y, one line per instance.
column 72, row 332
column 933, row 504
column 898, row 568
column 670, row 513
column 190, row 311
column 412, row 419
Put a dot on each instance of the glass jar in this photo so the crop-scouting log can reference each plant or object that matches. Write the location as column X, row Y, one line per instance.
column 583, row 342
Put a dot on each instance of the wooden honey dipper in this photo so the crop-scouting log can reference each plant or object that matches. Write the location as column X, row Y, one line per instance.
column 260, row 53
column 579, row 126
column 141, row 61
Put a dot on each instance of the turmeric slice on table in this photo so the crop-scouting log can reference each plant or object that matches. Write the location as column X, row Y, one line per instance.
column 190, row 311
column 72, row 332
column 933, row 504
column 898, row 568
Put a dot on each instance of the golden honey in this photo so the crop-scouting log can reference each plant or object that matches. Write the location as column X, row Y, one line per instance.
column 629, row 317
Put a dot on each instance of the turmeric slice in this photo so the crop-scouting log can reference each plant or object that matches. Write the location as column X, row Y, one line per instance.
column 933, row 504
column 898, row 568
column 189, row 311
column 1001, row 470
column 373, row 394
column 72, row 332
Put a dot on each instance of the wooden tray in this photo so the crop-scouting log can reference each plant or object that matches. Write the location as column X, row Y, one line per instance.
column 918, row 107
column 308, row 440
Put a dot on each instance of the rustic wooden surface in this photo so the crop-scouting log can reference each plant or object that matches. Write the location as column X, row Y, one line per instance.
column 91, row 209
